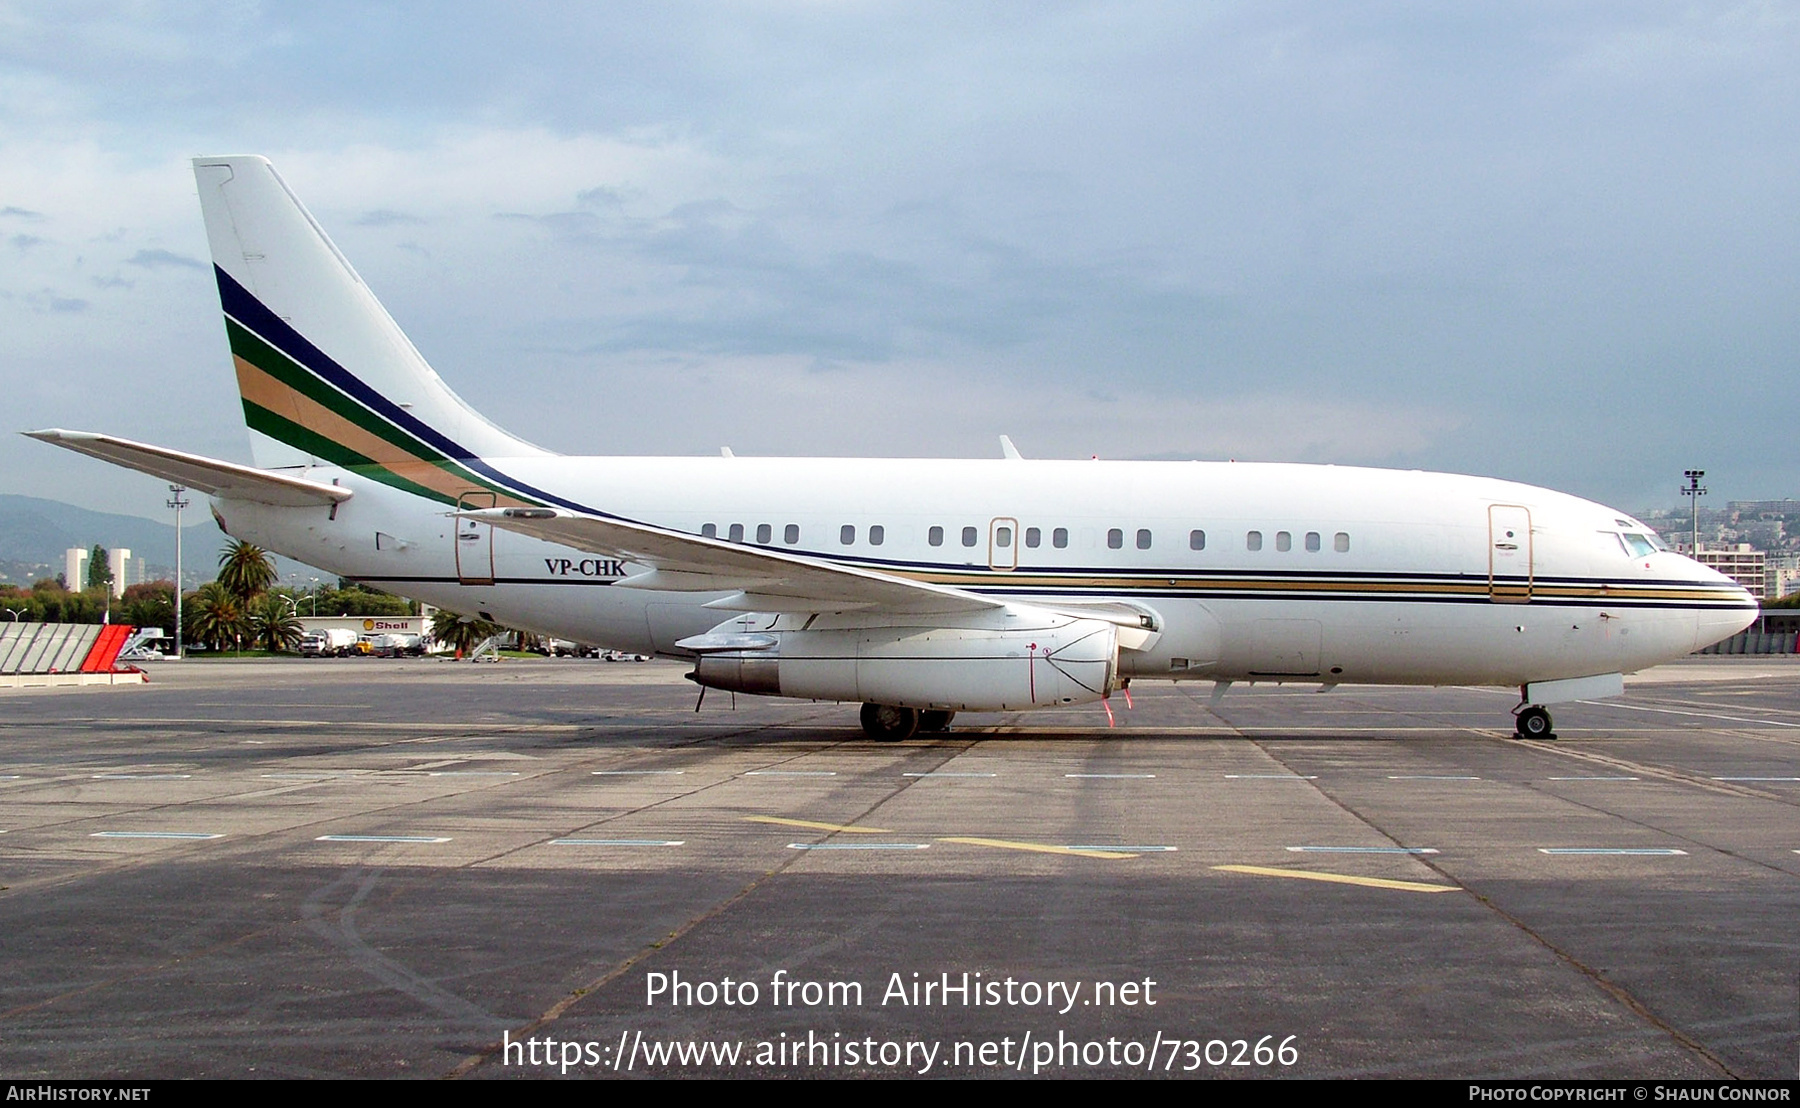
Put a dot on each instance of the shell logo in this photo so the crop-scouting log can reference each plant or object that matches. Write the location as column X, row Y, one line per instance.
column 368, row 625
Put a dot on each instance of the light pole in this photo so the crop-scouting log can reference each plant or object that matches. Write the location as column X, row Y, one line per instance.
column 1695, row 490
column 15, row 613
column 177, row 503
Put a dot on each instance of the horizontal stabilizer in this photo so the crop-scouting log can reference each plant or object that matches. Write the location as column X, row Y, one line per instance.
column 681, row 562
column 226, row 480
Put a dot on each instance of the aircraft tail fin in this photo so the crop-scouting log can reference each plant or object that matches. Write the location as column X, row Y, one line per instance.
column 326, row 375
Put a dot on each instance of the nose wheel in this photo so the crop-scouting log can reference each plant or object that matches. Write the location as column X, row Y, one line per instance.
column 1533, row 722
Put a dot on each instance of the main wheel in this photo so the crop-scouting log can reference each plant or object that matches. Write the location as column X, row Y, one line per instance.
column 934, row 719
column 889, row 724
column 1534, row 723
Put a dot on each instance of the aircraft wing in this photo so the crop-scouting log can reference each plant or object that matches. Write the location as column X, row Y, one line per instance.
column 226, row 480
column 760, row 580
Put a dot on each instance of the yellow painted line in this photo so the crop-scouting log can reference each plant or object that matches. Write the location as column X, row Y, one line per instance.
column 1341, row 879
column 849, row 829
column 1040, row 848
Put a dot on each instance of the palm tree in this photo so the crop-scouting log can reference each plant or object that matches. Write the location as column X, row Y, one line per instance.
column 245, row 570
column 461, row 632
column 217, row 618
column 277, row 627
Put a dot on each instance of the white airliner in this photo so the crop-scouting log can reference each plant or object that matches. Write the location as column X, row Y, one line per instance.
column 916, row 587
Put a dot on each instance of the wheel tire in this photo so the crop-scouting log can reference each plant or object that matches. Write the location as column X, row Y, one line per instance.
column 1534, row 723
column 933, row 719
column 889, row 724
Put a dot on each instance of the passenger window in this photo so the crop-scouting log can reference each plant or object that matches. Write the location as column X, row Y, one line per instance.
column 1196, row 540
column 1115, row 538
column 1253, row 541
column 764, row 532
column 791, row 534
column 1341, row 542
column 1312, row 542
column 1059, row 538
column 1033, row 537
column 876, row 534
column 709, row 530
column 969, row 536
column 847, row 534
column 737, row 532
column 935, row 536
column 1003, row 537
column 1143, row 539
column 1284, row 542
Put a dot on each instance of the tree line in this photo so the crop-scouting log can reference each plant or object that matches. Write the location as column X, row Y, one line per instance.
column 242, row 607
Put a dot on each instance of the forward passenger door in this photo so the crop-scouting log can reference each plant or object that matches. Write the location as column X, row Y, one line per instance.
column 1509, row 554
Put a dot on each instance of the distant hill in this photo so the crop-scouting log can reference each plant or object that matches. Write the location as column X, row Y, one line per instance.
column 39, row 531
column 33, row 530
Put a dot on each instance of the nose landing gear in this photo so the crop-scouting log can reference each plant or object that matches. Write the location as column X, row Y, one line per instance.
column 1533, row 722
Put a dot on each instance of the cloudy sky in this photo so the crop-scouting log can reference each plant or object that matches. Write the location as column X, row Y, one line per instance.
column 1551, row 242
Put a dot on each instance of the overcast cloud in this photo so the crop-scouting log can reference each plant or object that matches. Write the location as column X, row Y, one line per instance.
column 1549, row 242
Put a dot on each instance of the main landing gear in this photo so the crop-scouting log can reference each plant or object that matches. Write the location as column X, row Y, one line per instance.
column 888, row 724
column 1533, row 722
column 933, row 719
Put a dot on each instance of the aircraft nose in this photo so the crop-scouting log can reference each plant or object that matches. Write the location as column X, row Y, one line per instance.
column 1713, row 624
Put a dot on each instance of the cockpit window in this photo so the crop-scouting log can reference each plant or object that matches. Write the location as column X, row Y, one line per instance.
column 1637, row 545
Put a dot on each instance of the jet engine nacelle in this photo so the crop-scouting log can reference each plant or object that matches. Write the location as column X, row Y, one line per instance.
column 1010, row 660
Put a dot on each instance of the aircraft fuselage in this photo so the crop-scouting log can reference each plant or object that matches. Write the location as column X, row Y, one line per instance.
column 1264, row 572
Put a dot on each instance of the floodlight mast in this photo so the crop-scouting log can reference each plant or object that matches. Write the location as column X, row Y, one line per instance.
column 176, row 502
column 1695, row 490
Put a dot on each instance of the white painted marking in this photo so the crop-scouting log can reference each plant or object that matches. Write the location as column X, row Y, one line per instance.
column 142, row 776
column 382, row 839
column 1363, row 849
column 858, row 846
column 1125, row 849
column 471, row 773
column 9, row 777
column 638, row 772
column 1608, row 850
column 1111, row 776
column 1756, row 779
column 1271, row 777
column 303, row 776
column 1595, row 779
column 618, row 842
column 1430, row 777
column 154, row 835
column 941, row 773
column 1676, row 712
column 792, row 773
